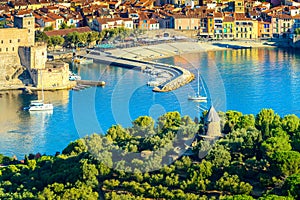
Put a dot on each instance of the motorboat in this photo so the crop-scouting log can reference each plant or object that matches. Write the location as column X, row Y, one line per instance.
column 39, row 105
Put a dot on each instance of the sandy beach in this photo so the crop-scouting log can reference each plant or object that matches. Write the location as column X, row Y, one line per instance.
column 152, row 52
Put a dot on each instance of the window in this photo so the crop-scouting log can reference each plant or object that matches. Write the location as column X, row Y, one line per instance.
column 0, row 49
column 1, row 41
column 13, row 49
column 43, row 53
column 28, row 30
column 6, row 49
column 28, row 22
column 9, row 41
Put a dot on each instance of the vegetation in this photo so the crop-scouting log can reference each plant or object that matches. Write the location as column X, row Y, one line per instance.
column 258, row 158
column 76, row 39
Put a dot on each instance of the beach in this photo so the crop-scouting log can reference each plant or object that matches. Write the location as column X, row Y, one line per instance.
column 156, row 51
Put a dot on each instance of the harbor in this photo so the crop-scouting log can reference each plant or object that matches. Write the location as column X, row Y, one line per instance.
column 169, row 77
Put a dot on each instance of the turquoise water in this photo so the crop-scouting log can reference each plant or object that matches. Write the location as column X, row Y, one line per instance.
column 245, row 80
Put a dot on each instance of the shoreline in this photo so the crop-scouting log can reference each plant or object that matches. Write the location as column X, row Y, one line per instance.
column 165, row 50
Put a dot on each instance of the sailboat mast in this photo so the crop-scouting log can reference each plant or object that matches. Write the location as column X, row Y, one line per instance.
column 42, row 87
column 198, row 93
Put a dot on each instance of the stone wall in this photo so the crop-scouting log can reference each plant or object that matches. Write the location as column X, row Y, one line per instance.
column 10, row 69
column 11, row 39
column 55, row 75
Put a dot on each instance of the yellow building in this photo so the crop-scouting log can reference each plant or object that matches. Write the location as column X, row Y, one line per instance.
column 239, row 6
column 245, row 28
column 210, row 25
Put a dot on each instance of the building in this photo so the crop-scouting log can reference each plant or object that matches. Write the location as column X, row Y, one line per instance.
column 245, row 28
column 18, row 51
column 100, row 24
column 218, row 25
column 282, row 25
column 10, row 40
column 228, row 27
column 239, row 6
column 186, row 22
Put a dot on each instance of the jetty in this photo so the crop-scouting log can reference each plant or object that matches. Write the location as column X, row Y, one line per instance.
column 90, row 83
column 178, row 75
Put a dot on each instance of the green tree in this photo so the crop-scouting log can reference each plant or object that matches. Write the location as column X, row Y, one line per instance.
column 92, row 37
column 169, row 121
column 232, row 119
column 72, row 38
column 48, row 28
column 219, row 156
column 291, row 186
column 290, row 123
column 285, row 163
column 56, row 41
column 273, row 144
column 41, row 37
column 143, row 126
column 267, row 120
column 233, row 185
column 75, row 148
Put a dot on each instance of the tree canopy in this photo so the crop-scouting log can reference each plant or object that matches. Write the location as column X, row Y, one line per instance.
column 258, row 158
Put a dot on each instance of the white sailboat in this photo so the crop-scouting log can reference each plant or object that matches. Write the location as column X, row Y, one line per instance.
column 39, row 105
column 197, row 96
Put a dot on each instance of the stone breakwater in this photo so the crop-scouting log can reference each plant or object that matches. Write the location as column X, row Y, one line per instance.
column 179, row 81
column 179, row 77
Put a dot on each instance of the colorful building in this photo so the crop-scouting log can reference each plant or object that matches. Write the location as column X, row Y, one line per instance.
column 228, row 27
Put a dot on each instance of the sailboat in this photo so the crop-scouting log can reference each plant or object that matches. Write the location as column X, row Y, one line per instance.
column 197, row 96
column 39, row 105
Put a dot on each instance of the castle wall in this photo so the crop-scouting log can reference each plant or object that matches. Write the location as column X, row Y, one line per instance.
column 10, row 69
column 56, row 74
column 11, row 39
column 26, row 22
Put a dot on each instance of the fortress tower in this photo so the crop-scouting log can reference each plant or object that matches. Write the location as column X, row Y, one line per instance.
column 27, row 22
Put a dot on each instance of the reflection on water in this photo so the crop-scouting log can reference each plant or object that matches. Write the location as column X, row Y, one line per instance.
column 246, row 80
column 23, row 132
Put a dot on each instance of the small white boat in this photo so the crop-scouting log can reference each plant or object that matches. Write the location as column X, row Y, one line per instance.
column 39, row 105
column 197, row 96
column 74, row 77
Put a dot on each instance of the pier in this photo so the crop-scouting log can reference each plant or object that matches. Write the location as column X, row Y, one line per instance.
column 179, row 76
column 90, row 83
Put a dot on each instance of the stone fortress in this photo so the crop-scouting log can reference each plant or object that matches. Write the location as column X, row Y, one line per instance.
column 19, row 52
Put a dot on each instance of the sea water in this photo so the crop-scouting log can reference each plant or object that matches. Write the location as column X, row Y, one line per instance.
column 246, row 80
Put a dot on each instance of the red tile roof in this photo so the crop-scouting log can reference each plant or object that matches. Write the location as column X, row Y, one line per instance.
column 64, row 32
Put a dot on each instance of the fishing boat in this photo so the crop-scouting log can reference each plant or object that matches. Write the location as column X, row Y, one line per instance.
column 197, row 96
